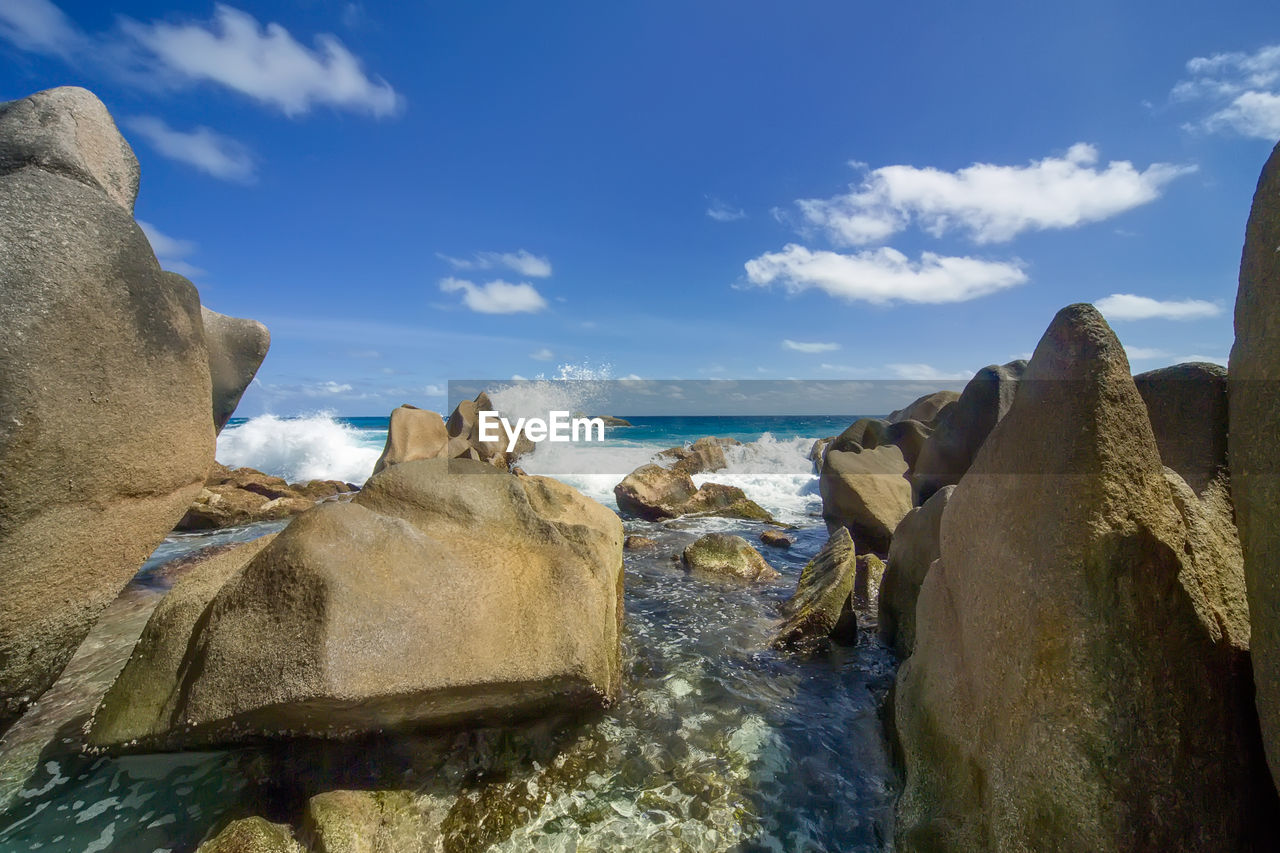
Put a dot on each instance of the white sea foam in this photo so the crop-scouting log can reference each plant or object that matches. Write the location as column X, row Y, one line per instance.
column 315, row 447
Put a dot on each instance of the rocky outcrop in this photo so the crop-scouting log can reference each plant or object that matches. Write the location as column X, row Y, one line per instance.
column 915, row 546
column 866, row 492
column 703, row 456
column 1080, row 675
column 105, row 434
column 1187, row 405
column 960, row 431
column 463, row 427
column 727, row 556
column 862, row 434
column 238, row 496
column 413, row 434
column 653, row 492
column 821, row 609
column 446, row 592
column 925, row 409
column 236, row 349
column 1254, row 380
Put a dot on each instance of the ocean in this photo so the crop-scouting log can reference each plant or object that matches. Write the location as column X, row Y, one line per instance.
column 719, row 743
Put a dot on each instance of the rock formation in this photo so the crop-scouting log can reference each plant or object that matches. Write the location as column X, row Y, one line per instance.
column 727, row 556
column 653, row 492
column 105, row 434
column 821, row 608
column 413, row 434
column 236, row 349
column 238, row 496
column 926, row 408
column 1187, row 405
column 702, row 457
column 914, row 548
column 866, row 492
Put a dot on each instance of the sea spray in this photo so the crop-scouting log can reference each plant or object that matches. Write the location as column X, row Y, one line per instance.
column 314, row 447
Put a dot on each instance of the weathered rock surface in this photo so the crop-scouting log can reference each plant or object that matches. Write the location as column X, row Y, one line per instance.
column 727, row 556
column 240, row 496
column 915, row 546
column 236, row 349
column 104, row 385
column 702, row 456
column 653, row 492
column 445, row 592
column 1080, row 676
column 867, row 580
column 253, row 835
column 821, row 608
column 412, row 434
column 634, row 542
column 1187, row 405
column 776, row 539
column 925, row 409
column 367, row 822
column 960, row 431
column 1254, row 381
column 463, row 427
column 862, row 434
column 866, row 492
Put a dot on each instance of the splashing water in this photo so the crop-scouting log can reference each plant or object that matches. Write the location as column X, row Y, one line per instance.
column 315, row 447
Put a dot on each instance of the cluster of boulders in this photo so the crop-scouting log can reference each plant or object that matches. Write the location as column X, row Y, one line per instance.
column 236, row 496
column 664, row 489
column 114, row 380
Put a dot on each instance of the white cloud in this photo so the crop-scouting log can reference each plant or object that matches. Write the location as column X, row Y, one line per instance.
column 1244, row 89
column 326, row 389
column 987, row 202
column 434, row 390
column 1144, row 353
column 496, row 297
column 925, row 371
column 543, row 354
column 722, row 212
column 171, row 252
column 205, row 149
column 809, row 346
column 524, row 262
column 1127, row 306
column 38, row 26
column 884, row 276
column 264, row 63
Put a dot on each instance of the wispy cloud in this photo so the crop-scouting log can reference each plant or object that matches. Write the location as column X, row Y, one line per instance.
column 543, row 354
column 496, row 297
column 263, row 62
column 171, row 251
column 205, row 149
column 988, row 203
column 723, row 212
column 1144, row 353
column 1242, row 89
column 926, row 371
column 1127, row 306
column 884, row 276
column 524, row 262
column 809, row 346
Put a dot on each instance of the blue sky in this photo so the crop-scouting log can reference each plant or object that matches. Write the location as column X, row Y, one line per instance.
column 413, row 192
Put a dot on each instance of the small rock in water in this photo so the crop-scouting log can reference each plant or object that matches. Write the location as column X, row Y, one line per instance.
column 821, row 607
column 639, row 543
column 721, row 554
column 776, row 539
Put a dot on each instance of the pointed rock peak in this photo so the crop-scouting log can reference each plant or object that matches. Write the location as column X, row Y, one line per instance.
column 68, row 131
column 1078, row 345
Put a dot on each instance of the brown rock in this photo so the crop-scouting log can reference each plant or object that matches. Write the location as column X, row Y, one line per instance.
column 914, row 548
column 413, row 434
column 727, row 556
column 639, row 543
column 776, row 539
column 236, row 350
column 865, row 492
column 821, row 609
column 1187, row 406
column 925, row 409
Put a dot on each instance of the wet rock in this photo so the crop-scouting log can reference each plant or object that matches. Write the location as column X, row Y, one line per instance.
column 1187, row 406
column 914, row 548
column 776, row 539
column 727, row 556
column 413, row 433
column 639, row 543
column 252, row 835
column 106, row 432
column 1088, row 647
column 724, row 502
column 654, row 493
column 1254, row 404
column 820, row 608
column 925, row 409
column 867, row 580
column 445, row 593
column 703, row 456
column 866, row 492
column 236, row 349
column 367, row 822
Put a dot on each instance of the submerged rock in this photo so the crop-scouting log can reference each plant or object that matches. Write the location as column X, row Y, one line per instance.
column 105, row 433
column 776, row 539
column 236, row 349
column 444, row 593
column 866, row 492
column 1254, row 404
column 725, row 555
column 915, row 546
column 1080, row 675
column 253, row 835
column 821, row 607
column 368, row 822
column 1187, row 406
column 412, row 434
column 634, row 542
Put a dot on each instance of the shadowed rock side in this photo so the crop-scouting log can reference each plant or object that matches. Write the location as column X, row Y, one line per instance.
column 105, row 432
column 926, row 408
column 1255, row 423
column 865, row 491
column 446, row 592
column 1187, row 405
column 727, row 556
column 1080, row 675
column 960, row 431
column 413, row 434
column 822, row 608
column 914, row 548
column 236, row 349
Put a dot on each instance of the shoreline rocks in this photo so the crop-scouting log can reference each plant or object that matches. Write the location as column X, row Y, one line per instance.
column 865, row 491
column 237, row 496
column 727, row 556
column 413, row 434
column 821, row 608
column 655, row 493
column 237, row 347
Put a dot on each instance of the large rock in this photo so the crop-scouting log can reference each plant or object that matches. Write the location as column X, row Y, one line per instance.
column 925, row 409
column 821, row 608
column 446, row 592
column 1255, row 423
column 866, row 492
column 236, row 349
column 463, row 427
column 727, row 556
column 105, row 433
column 864, row 433
column 915, row 546
column 654, row 493
column 703, row 456
column 368, row 822
column 960, row 431
column 413, row 434
column 1187, row 405
column 1080, row 679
